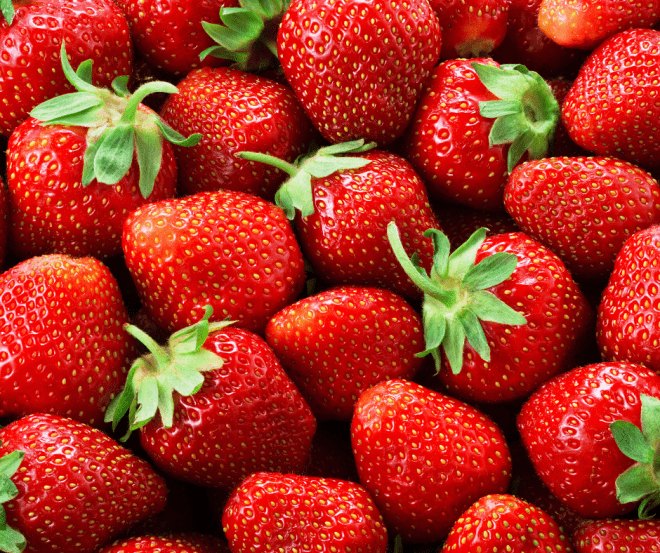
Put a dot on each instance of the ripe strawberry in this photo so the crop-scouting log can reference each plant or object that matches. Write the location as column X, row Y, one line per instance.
column 63, row 348
column 177, row 543
column 254, row 113
column 611, row 108
column 338, row 343
column 288, row 512
column 566, row 429
column 473, row 124
column 32, row 37
column 584, row 209
column 425, row 457
column 504, row 522
column 231, row 250
column 358, row 67
column 585, row 24
column 72, row 487
column 604, row 536
column 4, row 223
column 210, row 386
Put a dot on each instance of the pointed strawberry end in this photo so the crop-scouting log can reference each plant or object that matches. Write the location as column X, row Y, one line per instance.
column 11, row 541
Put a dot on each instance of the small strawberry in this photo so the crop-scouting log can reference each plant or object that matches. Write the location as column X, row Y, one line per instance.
column 425, row 457
column 287, row 512
column 338, row 343
column 504, row 522
column 68, row 487
column 177, row 543
column 605, row 536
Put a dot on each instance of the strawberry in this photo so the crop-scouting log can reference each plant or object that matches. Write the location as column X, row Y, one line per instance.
column 62, row 343
column 338, row 343
column 82, row 162
column 611, row 108
column 502, row 314
column 231, row 250
column 583, row 208
column 254, row 113
column 358, row 67
column 209, row 386
column 32, row 34
column 4, row 223
column 603, row 536
column 505, row 522
column 474, row 122
column 271, row 511
column 425, row 457
column 69, row 487
column 566, row 428
column 585, row 24
column 177, row 543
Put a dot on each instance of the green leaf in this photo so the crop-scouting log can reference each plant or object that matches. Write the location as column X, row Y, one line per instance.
column 506, row 84
column 463, row 258
column 506, row 129
column 8, row 12
column 489, row 307
column 635, row 483
column 115, row 154
column 498, row 108
column 120, row 86
column 650, row 418
column 149, row 148
column 8, row 489
column 241, row 28
column 175, row 137
column 441, row 250
column 435, row 325
column 518, row 147
column 11, row 541
column 89, row 174
column 454, row 344
column 9, row 463
column 296, row 193
column 492, row 270
column 632, row 442
column 84, row 71
column 147, row 399
column 165, row 402
column 86, row 118
column 79, row 82
column 121, row 404
column 475, row 333
column 66, row 105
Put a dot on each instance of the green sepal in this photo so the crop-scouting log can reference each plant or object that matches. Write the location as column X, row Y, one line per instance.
column 62, row 107
column 8, row 11
column 120, row 86
column 635, row 483
column 454, row 343
column 632, row 442
column 11, row 541
column 490, row 271
column 115, row 155
column 149, row 149
column 85, row 73
column 176, row 137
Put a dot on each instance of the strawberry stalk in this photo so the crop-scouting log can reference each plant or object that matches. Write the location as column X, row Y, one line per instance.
column 526, row 114
column 11, row 541
column 153, row 378
column 456, row 296
column 641, row 482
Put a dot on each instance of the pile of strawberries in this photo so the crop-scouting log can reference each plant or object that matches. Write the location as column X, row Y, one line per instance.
column 318, row 276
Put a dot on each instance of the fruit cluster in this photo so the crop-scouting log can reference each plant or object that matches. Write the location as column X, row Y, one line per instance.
column 318, row 276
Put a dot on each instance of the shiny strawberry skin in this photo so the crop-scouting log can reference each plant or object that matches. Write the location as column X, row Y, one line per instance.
column 565, row 428
column 4, row 223
column 425, row 457
column 231, row 250
column 31, row 67
column 63, row 348
column 77, row 487
column 345, row 239
column 288, row 512
column 583, row 208
column 501, row 522
column 215, row 440
column 603, row 536
column 177, row 543
column 358, row 67
column 52, row 212
column 611, row 108
column 338, row 343
column 255, row 114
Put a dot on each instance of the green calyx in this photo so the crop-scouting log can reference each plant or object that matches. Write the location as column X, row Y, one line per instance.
column 154, row 378
column 248, row 35
column 456, row 296
column 11, row 541
column 526, row 114
column 641, row 482
column 117, row 128
column 296, row 191
column 7, row 9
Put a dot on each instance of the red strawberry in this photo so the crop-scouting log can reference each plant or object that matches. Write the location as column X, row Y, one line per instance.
column 358, row 67
column 604, row 536
column 63, row 348
column 254, row 113
column 197, row 402
column 504, row 522
column 338, row 343
column 582, row 208
column 425, row 457
column 231, row 250
column 32, row 38
column 585, row 24
column 72, row 487
column 287, row 512
column 611, row 108
column 566, row 429
column 4, row 223
column 178, row 543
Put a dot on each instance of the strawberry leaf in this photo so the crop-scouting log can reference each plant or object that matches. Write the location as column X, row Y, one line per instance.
column 491, row 271
column 462, row 259
column 120, row 86
column 632, row 442
column 115, row 154
column 635, row 483
column 494, row 310
column 441, row 251
column 149, row 148
column 11, row 541
column 454, row 343
column 650, row 418
column 60, row 107
column 8, row 12
column 474, row 333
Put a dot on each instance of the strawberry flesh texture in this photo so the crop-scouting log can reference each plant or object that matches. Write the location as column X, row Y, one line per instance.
column 177, row 543
column 603, row 536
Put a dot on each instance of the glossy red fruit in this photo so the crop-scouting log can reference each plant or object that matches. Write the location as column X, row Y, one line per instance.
column 338, row 343
column 177, row 543
column 425, row 457
column 565, row 428
column 76, row 488
column 30, row 58
column 4, row 224
column 63, row 348
column 271, row 511
column 358, row 67
column 603, row 536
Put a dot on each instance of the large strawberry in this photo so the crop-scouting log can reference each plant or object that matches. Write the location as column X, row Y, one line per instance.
column 358, row 66
column 231, row 250
column 425, row 457
column 605, row 536
column 63, row 348
column 69, row 488
column 32, row 34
